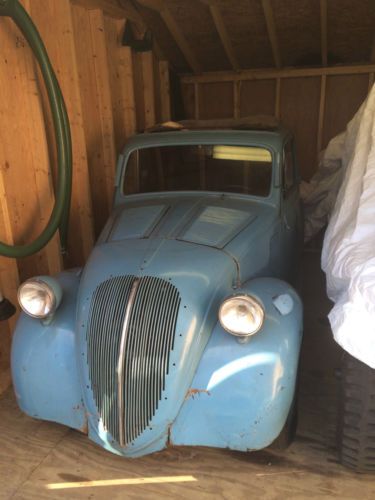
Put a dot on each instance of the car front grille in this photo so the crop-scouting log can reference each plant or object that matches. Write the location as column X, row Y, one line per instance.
column 128, row 350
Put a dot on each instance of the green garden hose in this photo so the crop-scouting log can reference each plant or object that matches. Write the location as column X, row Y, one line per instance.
column 59, row 218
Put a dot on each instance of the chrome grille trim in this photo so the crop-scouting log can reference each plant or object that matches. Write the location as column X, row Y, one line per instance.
column 106, row 316
column 121, row 359
column 130, row 335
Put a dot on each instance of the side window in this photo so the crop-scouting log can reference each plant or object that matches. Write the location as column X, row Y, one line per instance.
column 289, row 171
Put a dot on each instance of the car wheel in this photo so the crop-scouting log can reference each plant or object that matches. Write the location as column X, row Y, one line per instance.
column 288, row 432
column 356, row 418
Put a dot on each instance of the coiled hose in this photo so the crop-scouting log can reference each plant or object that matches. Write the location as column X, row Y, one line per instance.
column 59, row 218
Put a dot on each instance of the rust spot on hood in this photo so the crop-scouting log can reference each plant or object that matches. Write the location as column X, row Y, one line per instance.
column 193, row 392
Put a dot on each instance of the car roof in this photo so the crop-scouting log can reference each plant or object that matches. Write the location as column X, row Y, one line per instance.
column 252, row 122
column 259, row 130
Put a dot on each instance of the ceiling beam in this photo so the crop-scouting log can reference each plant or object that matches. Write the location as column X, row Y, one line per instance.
column 271, row 28
column 223, row 33
column 170, row 22
column 324, row 32
column 266, row 74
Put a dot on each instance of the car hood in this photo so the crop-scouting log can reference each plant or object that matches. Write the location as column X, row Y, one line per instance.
column 212, row 221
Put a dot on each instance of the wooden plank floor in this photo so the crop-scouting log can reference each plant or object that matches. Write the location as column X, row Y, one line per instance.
column 41, row 460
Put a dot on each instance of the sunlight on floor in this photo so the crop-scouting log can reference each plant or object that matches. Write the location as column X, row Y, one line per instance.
column 121, row 482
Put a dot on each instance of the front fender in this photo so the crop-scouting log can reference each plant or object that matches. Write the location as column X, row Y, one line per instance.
column 241, row 393
column 44, row 363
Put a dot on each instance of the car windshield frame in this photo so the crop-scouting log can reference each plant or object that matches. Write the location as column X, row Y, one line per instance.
column 229, row 138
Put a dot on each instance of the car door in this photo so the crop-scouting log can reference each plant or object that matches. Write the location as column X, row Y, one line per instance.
column 291, row 216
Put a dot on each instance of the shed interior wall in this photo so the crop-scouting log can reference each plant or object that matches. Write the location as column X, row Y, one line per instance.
column 110, row 92
column 315, row 108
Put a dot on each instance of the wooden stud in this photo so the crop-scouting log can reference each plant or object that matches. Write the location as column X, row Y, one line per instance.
column 9, row 280
column 104, row 100
column 24, row 160
column 266, row 74
column 372, row 54
column 236, row 99
column 148, row 88
column 92, row 62
column 59, row 40
column 271, row 28
column 278, row 98
column 323, row 85
column 165, row 92
column 223, row 33
column 323, row 32
column 196, row 101
column 174, row 29
column 138, row 90
column 122, row 83
column 26, row 192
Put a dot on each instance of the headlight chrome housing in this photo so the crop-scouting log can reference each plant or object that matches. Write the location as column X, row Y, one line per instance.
column 40, row 297
column 241, row 315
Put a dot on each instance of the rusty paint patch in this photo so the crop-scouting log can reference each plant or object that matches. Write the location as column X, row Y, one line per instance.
column 85, row 428
column 193, row 392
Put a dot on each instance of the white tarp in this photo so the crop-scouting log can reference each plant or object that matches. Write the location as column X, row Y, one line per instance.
column 348, row 258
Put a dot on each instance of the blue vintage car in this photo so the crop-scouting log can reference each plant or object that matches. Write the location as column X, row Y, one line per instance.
column 183, row 327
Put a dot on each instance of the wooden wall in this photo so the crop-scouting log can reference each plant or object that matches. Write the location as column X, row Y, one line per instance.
column 110, row 93
column 314, row 106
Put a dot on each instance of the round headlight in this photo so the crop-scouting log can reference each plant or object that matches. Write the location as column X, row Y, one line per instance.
column 241, row 315
column 39, row 297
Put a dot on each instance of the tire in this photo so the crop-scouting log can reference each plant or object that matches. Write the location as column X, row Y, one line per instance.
column 288, row 432
column 356, row 416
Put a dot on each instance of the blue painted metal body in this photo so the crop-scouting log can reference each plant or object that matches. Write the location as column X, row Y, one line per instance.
column 218, row 392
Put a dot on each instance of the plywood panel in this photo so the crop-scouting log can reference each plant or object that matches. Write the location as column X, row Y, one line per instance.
column 101, row 57
column 257, row 97
column 96, row 109
column 138, row 91
column 299, row 109
column 58, row 38
column 165, row 92
column 25, row 163
column 26, row 192
column 120, row 65
column 188, row 98
column 96, row 76
column 344, row 95
column 216, row 100
column 148, row 87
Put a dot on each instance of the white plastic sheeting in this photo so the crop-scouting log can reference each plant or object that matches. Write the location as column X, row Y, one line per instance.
column 348, row 258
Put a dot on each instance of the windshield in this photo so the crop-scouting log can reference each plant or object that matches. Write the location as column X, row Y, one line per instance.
column 219, row 168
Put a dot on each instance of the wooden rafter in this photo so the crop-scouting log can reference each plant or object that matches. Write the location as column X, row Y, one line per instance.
column 323, row 32
column 223, row 33
column 271, row 28
column 265, row 74
column 161, row 7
